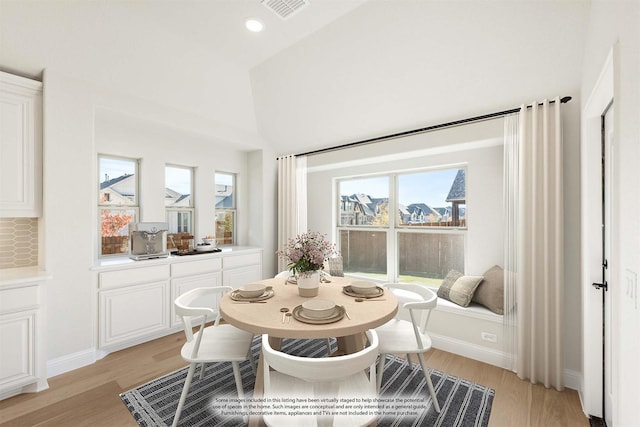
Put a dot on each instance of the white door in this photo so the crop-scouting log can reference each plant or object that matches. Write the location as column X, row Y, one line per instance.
column 608, row 223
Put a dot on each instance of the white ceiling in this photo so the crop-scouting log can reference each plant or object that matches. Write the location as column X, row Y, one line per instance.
column 337, row 71
column 218, row 25
column 191, row 57
column 215, row 26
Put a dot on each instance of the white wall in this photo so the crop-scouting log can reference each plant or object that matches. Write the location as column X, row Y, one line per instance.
column 156, row 145
column 82, row 120
column 104, row 42
column 67, row 219
column 390, row 66
column 437, row 143
column 616, row 25
column 263, row 220
column 457, row 146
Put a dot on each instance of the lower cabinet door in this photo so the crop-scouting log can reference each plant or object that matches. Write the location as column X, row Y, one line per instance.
column 241, row 276
column 17, row 356
column 127, row 315
column 185, row 284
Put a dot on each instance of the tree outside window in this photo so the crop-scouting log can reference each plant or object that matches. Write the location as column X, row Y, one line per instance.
column 117, row 203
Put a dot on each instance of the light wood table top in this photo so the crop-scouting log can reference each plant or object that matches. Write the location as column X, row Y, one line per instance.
column 267, row 318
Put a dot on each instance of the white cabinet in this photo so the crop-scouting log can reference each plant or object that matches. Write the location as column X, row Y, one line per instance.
column 133, row 306
column 186, row 276
column 185, row 284
column 20, row 146
column 239, row 269
column 21, row 351
column 240, row 276
column 135, row 300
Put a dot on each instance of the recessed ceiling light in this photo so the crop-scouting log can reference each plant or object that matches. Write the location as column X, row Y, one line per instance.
column 254, row 25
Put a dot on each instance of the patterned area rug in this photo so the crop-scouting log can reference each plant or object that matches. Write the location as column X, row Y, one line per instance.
column 404, row 397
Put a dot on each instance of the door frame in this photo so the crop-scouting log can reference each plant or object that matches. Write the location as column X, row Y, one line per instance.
column 591, row 235
column 610, row 203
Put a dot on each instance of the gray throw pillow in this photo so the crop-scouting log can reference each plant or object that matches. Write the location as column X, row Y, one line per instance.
column 490, row 293
column 447, row 284
column 462, row 290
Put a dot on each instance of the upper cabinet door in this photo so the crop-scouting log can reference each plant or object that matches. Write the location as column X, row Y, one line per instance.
column 20, row 146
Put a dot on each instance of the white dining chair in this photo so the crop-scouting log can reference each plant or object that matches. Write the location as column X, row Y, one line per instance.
column 348, row 376
column 286, row 274
column 215, row 343
column 408, row 336
column 283, row 274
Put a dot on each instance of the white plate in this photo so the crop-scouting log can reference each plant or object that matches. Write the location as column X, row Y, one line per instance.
column 347, row 290
column 338, row 315
column 234, row 295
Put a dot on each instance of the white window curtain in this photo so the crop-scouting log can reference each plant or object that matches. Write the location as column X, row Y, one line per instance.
column 510, row 220
column 534, row 264
column 292, row 200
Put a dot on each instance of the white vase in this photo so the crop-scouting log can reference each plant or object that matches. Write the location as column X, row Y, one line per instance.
column 308, row 283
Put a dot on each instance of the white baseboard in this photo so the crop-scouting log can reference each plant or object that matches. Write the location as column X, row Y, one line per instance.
column 67, row 363
column 472, row 351
column 572, row 379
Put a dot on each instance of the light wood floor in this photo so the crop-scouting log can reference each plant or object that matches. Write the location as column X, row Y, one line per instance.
column 89, row 396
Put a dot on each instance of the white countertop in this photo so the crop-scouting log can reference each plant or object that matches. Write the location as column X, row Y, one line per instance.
column 118, row 262
column 19, row 276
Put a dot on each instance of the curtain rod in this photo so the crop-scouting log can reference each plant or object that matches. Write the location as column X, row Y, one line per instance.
column 563, row 100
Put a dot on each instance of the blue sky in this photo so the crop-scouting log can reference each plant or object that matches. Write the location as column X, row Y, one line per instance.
column 431, row 187
column 114, row 168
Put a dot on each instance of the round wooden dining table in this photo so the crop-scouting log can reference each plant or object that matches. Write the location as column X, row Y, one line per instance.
column 266, row 318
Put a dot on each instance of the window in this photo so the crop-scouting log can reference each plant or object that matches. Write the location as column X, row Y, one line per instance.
column 403, row 226
column 364, row 201
column 178, row 200
column 225, row 204
column 363, row 225
column 117, row 203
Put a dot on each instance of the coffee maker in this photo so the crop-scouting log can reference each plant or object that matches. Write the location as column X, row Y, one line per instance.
column 148, row 240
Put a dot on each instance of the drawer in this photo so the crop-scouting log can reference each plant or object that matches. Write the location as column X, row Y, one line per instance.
column 244, row 260
column 132, row 276
column 189, row 268
column 18, row 299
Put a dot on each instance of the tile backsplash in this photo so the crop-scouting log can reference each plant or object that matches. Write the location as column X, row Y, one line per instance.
column 18, row 242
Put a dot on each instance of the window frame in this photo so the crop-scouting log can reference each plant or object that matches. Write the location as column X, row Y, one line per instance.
column 233, row 210
column 393, row 229
column 117, row 207
column 191, row 209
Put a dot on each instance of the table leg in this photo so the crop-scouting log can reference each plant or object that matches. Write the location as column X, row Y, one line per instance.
column 350, row 344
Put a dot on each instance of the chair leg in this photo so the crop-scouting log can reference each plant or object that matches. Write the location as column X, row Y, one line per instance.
column 238, row 378
column 409, row 360
column 202, row 370
column 432, row 391
column 183, row 396
column 380, row 370
column 328, row 346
